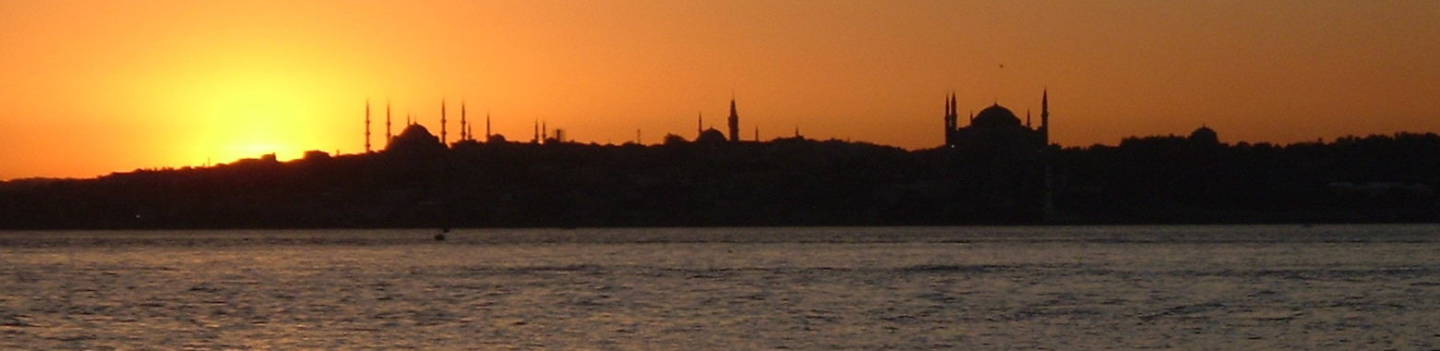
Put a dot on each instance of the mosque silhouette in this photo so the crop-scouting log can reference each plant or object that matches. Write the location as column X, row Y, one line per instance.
column 992, row 168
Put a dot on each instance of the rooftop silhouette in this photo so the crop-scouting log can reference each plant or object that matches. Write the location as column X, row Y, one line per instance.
column 995, row 168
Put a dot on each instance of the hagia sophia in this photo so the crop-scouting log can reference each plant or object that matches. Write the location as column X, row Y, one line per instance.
column 996, row 126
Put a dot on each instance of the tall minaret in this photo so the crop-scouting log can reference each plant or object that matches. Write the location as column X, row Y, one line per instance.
column 1045, row 116
column 955, row 109
column 464, row 128
column 734, row 121
column 387, row 124
column 950, row 120
column 367, row 126
column 487, row 126
column 699, row 124
column 536, row 138
column 443, row 139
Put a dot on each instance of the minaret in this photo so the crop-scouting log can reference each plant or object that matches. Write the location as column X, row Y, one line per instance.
column 443, row 139
column 367, row 126
column 950, row 123
column 1048, row 206
column 1045, row 116
column 1027, row 118
column 487, row 126
column 544, row 131
column 699, row 124
column 536, row 138
column 464, row 126
column 757, row 134
column 388, row 136
column 734, row 121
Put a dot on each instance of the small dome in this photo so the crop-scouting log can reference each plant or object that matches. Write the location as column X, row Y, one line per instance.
column 711, row 136
column 1204, row 135
column 995, row 116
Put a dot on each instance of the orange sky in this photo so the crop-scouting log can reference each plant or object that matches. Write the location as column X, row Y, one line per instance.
column 91, row 87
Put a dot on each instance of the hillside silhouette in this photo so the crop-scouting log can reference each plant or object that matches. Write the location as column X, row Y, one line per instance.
column 418, row 182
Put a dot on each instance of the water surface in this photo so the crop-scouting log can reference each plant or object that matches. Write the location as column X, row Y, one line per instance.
column 1127, row 287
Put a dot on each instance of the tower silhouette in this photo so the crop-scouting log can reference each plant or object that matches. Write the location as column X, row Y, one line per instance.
column 1045, row 116
column 952, row 119
column 443, row 139
column 464, row 127
column 734, row 121
column 388, row 136
column 367, row 126
column 487, row 126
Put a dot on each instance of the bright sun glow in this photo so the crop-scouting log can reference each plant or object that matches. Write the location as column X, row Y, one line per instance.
column 247, row 111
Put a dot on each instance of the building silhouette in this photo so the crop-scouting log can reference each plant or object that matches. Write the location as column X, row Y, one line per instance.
column 1002, row 163
column 1204, row 136
column 996, row 126
column 415, row 139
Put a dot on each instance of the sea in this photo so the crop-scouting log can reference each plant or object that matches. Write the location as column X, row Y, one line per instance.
column 1257, row 287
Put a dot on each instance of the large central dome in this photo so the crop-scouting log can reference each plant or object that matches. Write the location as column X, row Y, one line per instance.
column 995, row 116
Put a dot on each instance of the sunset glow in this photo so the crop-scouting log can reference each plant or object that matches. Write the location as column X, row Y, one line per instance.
column 91, row 87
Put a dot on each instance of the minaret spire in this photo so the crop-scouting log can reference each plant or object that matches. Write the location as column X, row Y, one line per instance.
column 387, row 123
column 951, row 119
column 1045, row 116
column 443, row 139
column 367, row 125
column 734, row 120
column 464, row 126
column 487, row 126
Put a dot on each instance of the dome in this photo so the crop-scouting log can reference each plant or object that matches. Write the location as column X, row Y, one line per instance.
column 1205, row 135
column 415, row 137
column 414, row 131
column 711, row 136
column 995, row 116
